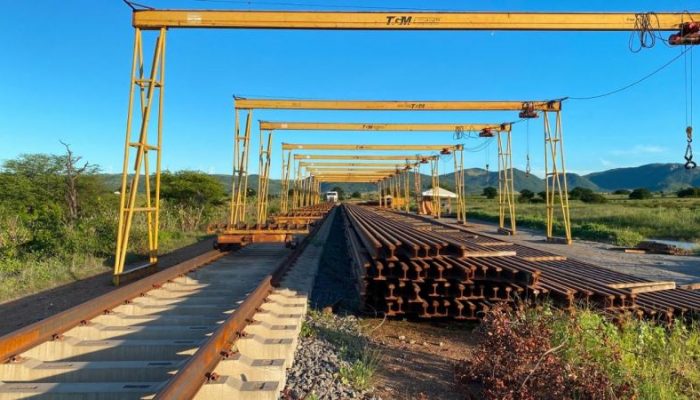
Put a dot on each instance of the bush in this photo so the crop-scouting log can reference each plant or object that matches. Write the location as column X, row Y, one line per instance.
column 640, row 194
column 553, row 354
column 578, row 192
column 689, row 192
column 593, row 198
column 490, row 192
column 622, row 192
column 526, row 196
column 356, row 195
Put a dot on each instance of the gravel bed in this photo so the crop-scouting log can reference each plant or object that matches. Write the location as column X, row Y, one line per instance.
column 327, row 343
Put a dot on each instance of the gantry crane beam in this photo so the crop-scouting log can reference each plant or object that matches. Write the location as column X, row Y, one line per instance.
column 394, row 105
column 345, row 164
column 407, row 20
column 383, row 147
column 388, row 127
column 361, row 157
column 351, row 172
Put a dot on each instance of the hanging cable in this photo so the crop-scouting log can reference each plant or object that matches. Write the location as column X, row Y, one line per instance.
column 527, row 156
column 688, row 91
column 643, row 31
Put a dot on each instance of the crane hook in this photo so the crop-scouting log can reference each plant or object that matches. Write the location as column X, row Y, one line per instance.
column 689, row 163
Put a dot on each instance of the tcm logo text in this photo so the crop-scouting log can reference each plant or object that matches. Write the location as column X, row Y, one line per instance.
column 398, row 20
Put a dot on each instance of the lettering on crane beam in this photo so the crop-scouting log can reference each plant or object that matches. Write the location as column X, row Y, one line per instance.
column 398, row 20
column 406, row 20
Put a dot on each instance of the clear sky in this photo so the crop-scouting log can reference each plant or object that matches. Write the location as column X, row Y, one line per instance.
column 64, row 74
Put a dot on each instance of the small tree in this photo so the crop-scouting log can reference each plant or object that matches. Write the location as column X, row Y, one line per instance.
column 640, row 194
column 340, row 191
column 356, row 195
column 526, row 196
column 624, row 192
column 689, row 192
column 490, row 192
column 590, row 197
column 72, row 172
column 543, row 195
column 578, row 192
column 193, row 194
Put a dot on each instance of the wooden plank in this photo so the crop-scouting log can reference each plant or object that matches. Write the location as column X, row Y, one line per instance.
column 691, row 286
column 644, row 287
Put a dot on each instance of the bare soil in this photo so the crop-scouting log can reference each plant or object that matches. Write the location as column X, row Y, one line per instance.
column 20, row 312
column 418, row 358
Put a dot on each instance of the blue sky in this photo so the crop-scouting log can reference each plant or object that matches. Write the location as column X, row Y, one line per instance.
column 64, row 74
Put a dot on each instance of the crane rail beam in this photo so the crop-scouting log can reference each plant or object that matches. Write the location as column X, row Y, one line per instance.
column 394, row 105
column 387, row 147
column 361, row 157
column 407, row 20
column 390, row 127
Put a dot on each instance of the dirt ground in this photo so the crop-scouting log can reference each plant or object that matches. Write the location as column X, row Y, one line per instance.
column 17, row 313
column 417, row 358
column 658, row 267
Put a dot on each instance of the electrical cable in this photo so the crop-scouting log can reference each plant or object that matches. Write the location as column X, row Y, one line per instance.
column 638, row 81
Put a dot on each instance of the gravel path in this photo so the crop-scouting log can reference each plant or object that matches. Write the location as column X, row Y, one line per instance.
column 681, row 269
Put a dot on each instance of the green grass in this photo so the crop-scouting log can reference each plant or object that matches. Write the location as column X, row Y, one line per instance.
column 34, row 273
column 361, row 361
column 619, row 221
column 360, row 373
column 656, row 362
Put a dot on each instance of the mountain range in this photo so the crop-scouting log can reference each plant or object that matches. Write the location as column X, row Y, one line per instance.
column 655, row 177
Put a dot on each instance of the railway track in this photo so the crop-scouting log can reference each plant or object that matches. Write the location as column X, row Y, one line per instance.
column 222, row 325
column 414, row 265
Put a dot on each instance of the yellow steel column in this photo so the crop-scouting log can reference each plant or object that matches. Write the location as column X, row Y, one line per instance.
column 236, row 133
column 128, row 194
column 241, row 179
column 506, row 191
column 554, row 154
column 406, row 192
column 417, row 186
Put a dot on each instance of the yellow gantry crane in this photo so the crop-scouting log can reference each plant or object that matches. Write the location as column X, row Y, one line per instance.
column 392, row 180
column 148, row 80
column 505, row 172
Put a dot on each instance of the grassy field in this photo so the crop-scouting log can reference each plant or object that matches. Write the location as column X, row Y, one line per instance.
column 620, row 221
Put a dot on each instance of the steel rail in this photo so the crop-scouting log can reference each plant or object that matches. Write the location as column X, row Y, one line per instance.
column 14, row 343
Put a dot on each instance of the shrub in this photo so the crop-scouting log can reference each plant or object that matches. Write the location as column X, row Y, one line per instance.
column 526, row 196
column 552, row 354
column 622, row 192
column 590, row 197
column 490, row 192
column 640, row 194
column 578, row 192
column 689, row 192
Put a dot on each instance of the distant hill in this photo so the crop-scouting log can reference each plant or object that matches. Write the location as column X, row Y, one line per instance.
column 655, row 177
column 666, row 177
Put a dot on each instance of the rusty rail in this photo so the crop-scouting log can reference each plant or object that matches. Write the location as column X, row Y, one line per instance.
column 188, row 380
column 25, row 338
column 418, row 266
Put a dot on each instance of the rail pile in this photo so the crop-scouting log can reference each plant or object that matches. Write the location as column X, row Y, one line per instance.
column 415, row 266
column 281, row 229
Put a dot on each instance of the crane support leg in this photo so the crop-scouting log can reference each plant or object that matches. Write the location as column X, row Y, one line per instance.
column 239, row 189
column 459, row 185
column 506, row 190
column 555, row 177
column 150, row 85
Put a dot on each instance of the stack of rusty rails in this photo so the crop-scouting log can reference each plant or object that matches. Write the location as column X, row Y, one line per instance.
column 230, row 236
column 304, row 215
column 278, row 231
column 413, row 272
column 571, row 282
